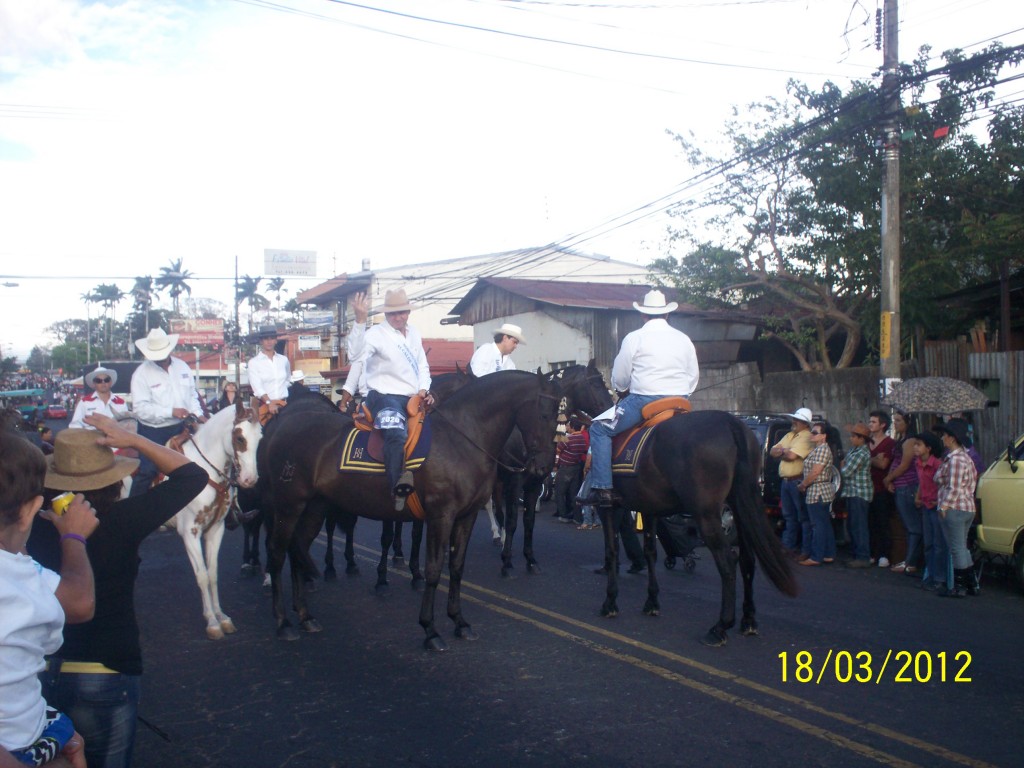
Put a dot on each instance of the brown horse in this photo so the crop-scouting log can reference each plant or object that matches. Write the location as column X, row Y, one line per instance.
column 698, row 464
column 468, row 431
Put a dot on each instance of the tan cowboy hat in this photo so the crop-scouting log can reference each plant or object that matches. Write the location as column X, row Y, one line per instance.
column 157, row 345
column 79, row 463
column 654, row 304
column 90, row 377
column 396, row 301
column 508, row 329
column 859, row 429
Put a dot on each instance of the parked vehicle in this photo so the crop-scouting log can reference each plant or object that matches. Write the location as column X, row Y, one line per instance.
column 55, row 411
column 1000, row 510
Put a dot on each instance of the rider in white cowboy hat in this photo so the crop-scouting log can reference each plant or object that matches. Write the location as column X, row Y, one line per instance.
column 100, row 400
column 654, row 361
column 791, row 451
column 163, row 396
column 396, row 369
column 270, row 373
column 494, row 356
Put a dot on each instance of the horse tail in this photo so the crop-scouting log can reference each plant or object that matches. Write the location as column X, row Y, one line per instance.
column 751, row 523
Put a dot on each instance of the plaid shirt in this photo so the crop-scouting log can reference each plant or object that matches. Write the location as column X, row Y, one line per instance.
column 821, row 489
column 956, row 479
column 857, row 474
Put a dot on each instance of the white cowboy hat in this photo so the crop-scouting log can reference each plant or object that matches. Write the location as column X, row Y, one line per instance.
column 802, row 414
column 90, row 377
column 396, row 301
column 157, row 345
column 654, row 304
column 297, row 376
column 508, row 329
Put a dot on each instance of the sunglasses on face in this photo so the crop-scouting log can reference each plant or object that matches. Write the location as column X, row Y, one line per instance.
column 817, row 432
column 98, row 380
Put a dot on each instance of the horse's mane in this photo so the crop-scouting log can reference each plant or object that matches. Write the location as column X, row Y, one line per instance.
column 482, row 388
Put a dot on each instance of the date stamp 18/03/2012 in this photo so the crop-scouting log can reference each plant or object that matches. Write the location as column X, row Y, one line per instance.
column 865, row 667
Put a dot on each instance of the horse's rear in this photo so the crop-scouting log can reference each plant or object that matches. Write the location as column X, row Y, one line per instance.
column 699, row 464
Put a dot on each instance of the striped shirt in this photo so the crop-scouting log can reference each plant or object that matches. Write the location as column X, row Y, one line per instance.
column 857, row 475
column 574, row 450
column 956, row 479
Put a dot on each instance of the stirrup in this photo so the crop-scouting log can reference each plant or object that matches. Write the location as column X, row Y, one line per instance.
column 404, row 486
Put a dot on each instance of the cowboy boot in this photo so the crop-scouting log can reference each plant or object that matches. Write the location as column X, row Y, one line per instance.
column 958, row 590
column 971, row 583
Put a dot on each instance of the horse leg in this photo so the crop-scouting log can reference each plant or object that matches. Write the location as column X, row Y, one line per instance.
column 190, row 536
column 251, row 547
column 532, row 489
column 330, row 523
column 725, row 560
column 511, row 523
column 748, row 624
column 303, row 567
column 387, row 535
column 414, row 555
column 652, row 607
column 610, row 607
column 278, row 537
column 438, row 535
column 459, row 543
column 397, row 556
column 351, row 567
column 211, row 542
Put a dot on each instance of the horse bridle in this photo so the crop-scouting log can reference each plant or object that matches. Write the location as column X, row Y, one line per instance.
column 531, row 451
column 236, row 465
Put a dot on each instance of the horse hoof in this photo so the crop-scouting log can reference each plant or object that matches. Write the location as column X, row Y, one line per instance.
column 311, row 625
column 466, row 633
column 496, row 541
column 652, row 611
column 352, row 570
column 506, row 573
column 532, row 568
column 417, row 583
column 214, row 633
column 247, row 571
column 382, row 590
column 288, row 633
column 228, row 626
column 609, row 613
column 398, row 560
column 749, row 630
column 330, row 575
column 715, row 638
column 435, row 643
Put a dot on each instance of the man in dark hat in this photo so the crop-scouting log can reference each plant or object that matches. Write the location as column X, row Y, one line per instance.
column 956, row 480
column 269, row 374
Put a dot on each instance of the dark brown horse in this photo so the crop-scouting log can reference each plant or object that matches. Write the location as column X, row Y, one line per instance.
column 697, row 464
column 468, row 431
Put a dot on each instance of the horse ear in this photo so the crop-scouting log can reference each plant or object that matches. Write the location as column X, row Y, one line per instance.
column 254, row 405
column 592, row 365
column 539, row 372
column 239, row 410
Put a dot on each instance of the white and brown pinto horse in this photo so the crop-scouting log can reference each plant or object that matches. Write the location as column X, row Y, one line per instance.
column 225, row 446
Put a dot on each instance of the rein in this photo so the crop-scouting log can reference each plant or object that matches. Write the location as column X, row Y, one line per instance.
column 234, row 464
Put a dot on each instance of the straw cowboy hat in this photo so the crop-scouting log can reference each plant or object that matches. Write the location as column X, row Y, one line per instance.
column 654, row 304
column 860, row 429
column 396, row 301
column 157, row 345
column 79, row 463
column 508, row 329
column 802, row 414
column 297, row 376
column 90, row 377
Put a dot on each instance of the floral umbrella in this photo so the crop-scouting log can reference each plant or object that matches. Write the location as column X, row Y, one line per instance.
column 936, row 394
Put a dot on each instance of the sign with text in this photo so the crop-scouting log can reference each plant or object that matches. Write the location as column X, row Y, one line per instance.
column 289, row 263
column 199, row 332
column 309, row 343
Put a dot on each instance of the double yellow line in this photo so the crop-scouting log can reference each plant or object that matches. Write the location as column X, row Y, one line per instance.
column 513, row 608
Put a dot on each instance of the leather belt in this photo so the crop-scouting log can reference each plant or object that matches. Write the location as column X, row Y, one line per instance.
column 792, row 477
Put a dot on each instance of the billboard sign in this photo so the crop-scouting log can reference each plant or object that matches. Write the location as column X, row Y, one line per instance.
column 309, row 343
column 199, row 332
column 289, row 263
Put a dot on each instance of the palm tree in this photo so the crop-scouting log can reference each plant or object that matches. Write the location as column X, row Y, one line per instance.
column 172, row 279
column 142, row 296
column 276, row 287
column 247, row 292
column 89, row 297
column 109, row 295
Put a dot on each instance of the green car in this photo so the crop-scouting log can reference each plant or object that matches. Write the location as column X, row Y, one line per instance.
column 1000, row 493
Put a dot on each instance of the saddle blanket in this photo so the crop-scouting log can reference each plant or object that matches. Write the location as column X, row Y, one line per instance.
column 627, row 449
column 363, row 452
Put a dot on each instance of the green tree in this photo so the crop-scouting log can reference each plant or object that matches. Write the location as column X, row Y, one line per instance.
column 109, row 295
column 247, row 292
column 276, row 287
column 8, row 365
column 38, row 360
column 173, row 280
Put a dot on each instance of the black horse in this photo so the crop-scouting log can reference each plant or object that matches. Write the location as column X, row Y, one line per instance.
column 468, row 431
column 697, row 464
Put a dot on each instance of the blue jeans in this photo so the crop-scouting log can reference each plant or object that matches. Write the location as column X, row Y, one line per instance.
column 910, row 514
column 822, row 543
column 147, row 470
column 627, row 413
column 956, row 525
column 936, row 552
column 103, row 708
column 394, row 435
column 857, row 522
column 794, row 514
column 590, row 516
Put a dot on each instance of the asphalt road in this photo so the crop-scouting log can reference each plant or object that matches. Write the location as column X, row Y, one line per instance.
column 550, row 683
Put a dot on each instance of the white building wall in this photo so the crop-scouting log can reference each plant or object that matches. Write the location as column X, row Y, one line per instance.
column 547, row 341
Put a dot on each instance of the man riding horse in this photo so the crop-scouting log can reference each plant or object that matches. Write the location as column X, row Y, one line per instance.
column 654, row 361
column 396, row 369
column 269, row 375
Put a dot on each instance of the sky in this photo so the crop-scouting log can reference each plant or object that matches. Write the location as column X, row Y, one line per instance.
column 137, row 132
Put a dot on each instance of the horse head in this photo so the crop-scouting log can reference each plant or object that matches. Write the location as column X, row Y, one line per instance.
column 537, row 422
column 584, row 390
column 246, row 433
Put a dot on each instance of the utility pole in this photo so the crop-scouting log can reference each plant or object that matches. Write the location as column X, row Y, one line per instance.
column 889, row 336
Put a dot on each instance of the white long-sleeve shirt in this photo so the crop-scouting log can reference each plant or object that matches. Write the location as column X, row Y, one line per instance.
column 115, row 408
column 270, row 376
column 355, row 382
column 395, row 364
column 488, row 359
column 656, row 359
column 156, row 393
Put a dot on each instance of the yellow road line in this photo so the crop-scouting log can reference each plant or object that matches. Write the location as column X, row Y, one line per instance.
column 812, row 730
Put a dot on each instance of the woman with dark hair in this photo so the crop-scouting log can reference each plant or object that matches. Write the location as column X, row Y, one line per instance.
column 227, row 396
column 901, row 482
column 817, row 485
column 94, row 677
column 956, row 480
